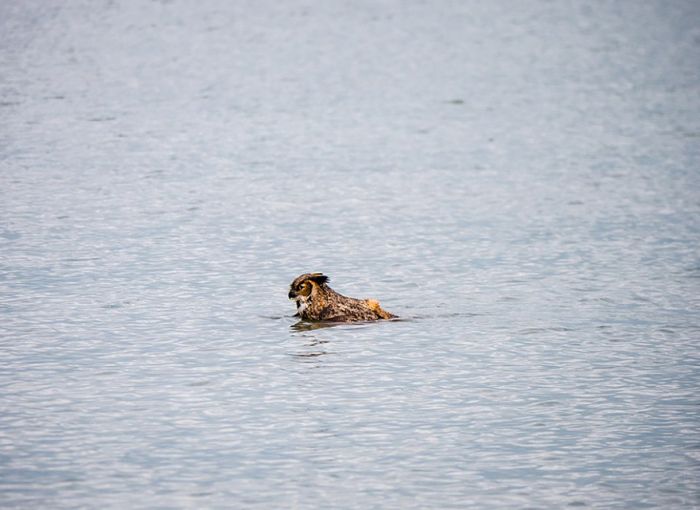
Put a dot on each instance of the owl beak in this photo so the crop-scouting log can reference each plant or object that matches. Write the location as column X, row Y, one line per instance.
column 292, row 294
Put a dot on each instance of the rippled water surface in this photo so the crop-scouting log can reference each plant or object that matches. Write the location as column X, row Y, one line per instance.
column 519, row 181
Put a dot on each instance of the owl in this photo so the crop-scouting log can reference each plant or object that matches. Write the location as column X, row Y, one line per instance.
column 316, row 301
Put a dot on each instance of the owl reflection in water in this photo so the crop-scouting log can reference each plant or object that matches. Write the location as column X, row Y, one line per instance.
column 316, row 301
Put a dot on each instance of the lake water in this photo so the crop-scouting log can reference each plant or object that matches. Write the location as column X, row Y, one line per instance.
column 518, row 180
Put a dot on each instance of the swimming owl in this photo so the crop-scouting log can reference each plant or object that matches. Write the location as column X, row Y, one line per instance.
column 316, row 301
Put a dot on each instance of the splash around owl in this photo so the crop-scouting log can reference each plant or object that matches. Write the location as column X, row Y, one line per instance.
column 316, row 301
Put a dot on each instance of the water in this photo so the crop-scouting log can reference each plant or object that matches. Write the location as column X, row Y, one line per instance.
column 517, row 180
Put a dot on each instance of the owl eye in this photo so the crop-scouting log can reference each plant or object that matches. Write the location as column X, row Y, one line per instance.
column 305, row 289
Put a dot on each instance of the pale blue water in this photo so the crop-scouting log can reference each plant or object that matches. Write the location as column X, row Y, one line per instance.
column 518, row 180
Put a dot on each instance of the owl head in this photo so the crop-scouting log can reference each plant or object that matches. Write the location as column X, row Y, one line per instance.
column 304, row 285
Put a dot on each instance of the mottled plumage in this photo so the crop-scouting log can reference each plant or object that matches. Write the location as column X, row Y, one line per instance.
column 316, row 301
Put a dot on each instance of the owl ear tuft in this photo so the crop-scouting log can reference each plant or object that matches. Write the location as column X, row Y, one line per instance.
column 319, row 278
